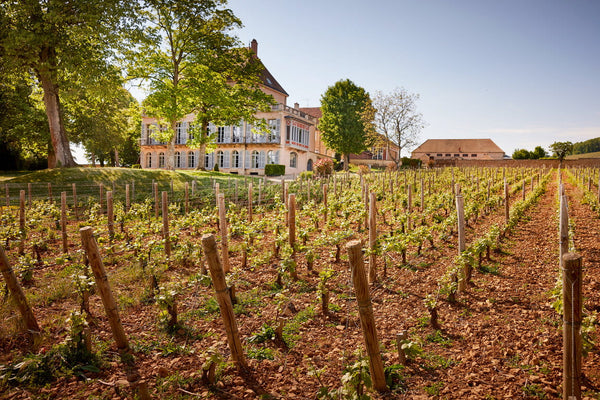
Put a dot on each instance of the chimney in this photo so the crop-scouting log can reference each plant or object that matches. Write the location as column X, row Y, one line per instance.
column 254, row 46
column 296, row 106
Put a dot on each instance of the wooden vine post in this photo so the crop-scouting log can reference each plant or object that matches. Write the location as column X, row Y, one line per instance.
column 223, row 229
column 101, row 189
column 372, row 238
column 75, row 208
column 17, row 293
column 572, row 316
column 563, row 229
column 325, row 204
column 250, row 202
column 110, row 215
column 63, row 221
column 460, row 211
column 155, row 190
column 187, row 197
column 22, row 228
column 217, row 274
column 365, row 309
column 165, row 218
column 112, row 310
column 292, row 221
column 127, row 198
column 506, row 202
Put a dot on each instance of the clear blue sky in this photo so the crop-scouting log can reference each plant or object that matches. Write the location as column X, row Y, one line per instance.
column 521, row 72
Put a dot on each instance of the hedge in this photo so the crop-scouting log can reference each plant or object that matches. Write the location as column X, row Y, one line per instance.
column 274, row 169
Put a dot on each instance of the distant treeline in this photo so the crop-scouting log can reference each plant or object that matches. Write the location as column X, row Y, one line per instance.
column 589, row 146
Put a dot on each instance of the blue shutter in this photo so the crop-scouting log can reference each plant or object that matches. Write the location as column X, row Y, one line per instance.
column 261, row 159
column 277, row 157
column 227, row 134
column 247, row 158
column 226, row 159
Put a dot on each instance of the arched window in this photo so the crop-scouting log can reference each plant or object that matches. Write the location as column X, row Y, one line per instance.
column 254, row 160
column 177, row 159
column 235, row 159
column 161, row 160
column 191, row 159
column 220, row 159
column 148, row 160
column 271, row 157
column 293, row 159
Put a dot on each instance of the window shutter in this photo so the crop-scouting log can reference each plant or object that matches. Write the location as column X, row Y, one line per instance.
column 261, row 160
column 226, row 159
column 227, row 134
column 247, row 158
column 277, row 157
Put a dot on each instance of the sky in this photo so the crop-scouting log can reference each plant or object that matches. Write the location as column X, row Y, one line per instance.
column 524, row 73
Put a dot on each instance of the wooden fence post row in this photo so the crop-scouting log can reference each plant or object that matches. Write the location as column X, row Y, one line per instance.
column 572, row 316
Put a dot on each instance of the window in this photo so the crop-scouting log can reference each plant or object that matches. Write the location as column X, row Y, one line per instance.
column 274, row 129
column 377, row 154
column 457, row 155
column 161, row 160
column 473, row 155
column 190, row 131
column 293, row 160
column 220, row 159
column 236, row 133
column 177, row 159
column 439, row 155
column 448, row 155
column 221, row 134
column 209, row 160
column 235, row 159
column 148, row 160
column 191, row 159
column 271, row 157
column 465, row 155
column 180, row 133
column 254, row 161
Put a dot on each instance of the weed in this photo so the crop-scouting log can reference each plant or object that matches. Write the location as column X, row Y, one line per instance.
column 534, row 390
column 438, row 337
column 434, row 388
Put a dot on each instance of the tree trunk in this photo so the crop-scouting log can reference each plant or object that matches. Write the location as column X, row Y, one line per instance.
column 346, row 162
column 170, row 156
column 60, row 143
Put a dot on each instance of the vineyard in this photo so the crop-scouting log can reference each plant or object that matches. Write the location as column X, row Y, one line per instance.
column 244, row 288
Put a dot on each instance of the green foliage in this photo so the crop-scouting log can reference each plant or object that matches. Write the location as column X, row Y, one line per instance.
column 266, row 333
column 347, row 122
column 355, row 380
column 561, row 149
column 588, row 146
column 274, row 169
column 411, row 162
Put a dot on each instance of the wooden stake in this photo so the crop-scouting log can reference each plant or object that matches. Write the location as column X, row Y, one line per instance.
column 563, row 227
column 22, row 228
column 110, row 216
column 101, row 199
column 75, row 208
column 110, row 305
column 186, row 189
column 223, row 229
column 165, row 218
column 460, row 210
column 17, row 293
column 372, row 238
column 250, row 202
column 365, row 309
column 209, row 246
column 506, row 202
column 127, row 198
column 573, row 307
column 155, row 190
column 292, row 221
column 63, row 221
column 325, row 204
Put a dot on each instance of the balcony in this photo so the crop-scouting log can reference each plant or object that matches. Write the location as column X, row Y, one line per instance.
column 293, row 111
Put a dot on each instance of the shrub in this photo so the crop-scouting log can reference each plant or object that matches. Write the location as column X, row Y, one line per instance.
column 306, row 175
column 216, row 167
column 363, row 169
column 274, row 169
column 411, row 162
column 136, row 166
column 324, row 167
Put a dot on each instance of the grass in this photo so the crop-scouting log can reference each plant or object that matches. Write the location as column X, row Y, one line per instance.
column 88, row 180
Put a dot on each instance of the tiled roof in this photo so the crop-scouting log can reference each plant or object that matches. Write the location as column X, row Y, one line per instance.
column 458, row 146
column 269, row 81
column 314, row 111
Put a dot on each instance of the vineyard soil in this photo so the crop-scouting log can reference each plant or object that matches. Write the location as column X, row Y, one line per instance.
column 500, row 339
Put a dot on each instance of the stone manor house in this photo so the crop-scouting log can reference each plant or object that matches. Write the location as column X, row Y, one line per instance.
column 293, row 140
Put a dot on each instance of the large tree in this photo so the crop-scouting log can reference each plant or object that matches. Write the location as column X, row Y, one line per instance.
column 50, row 38
column 347, row 122
column 561, row 150
column 397, row 120
column 191, row 64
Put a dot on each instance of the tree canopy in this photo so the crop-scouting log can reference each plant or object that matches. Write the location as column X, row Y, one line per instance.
column 51, row 40
column 522, row 154
column 561, row 149
column 190, row 63
column 397, row 119
column 346, row 124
